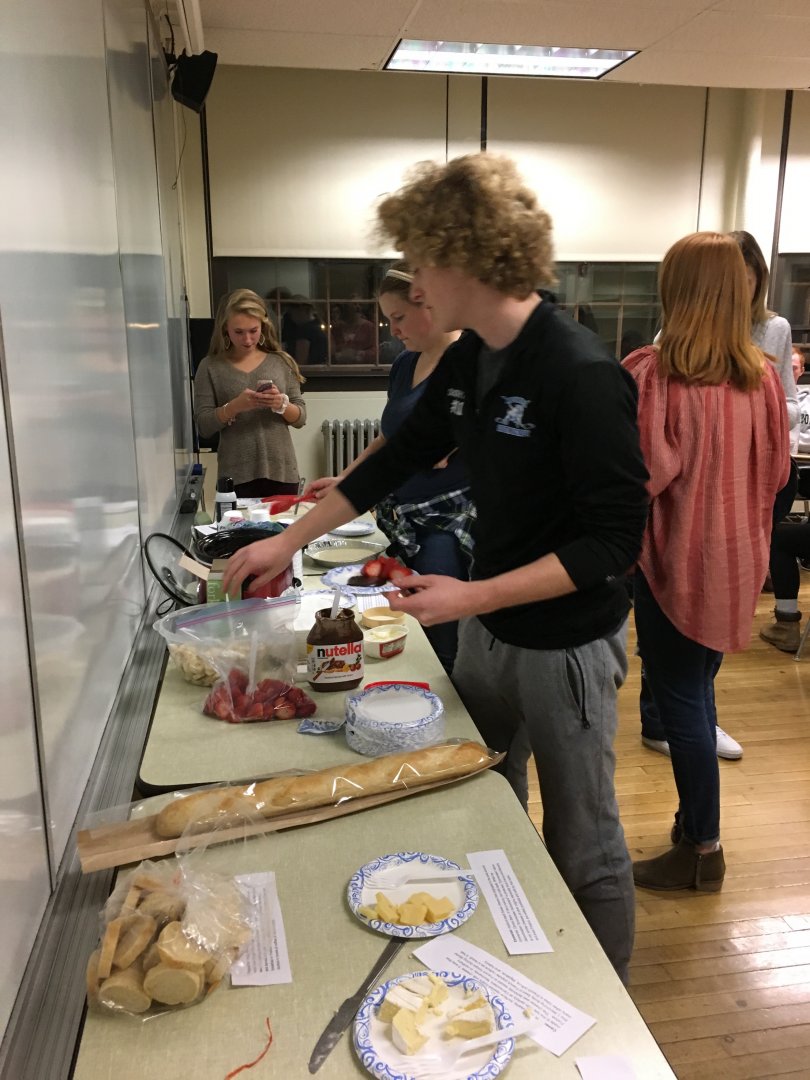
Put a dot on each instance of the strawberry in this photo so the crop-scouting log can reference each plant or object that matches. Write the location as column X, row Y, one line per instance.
column 237, row 680
column 305, row 708
column 374, row 568
column 283, row 710
column 255, row 712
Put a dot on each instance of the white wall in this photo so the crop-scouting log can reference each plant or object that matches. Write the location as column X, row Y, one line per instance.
column 757, row 166
column 298, row 158
column 351, row 405
column 794, row 235
column 617, row 166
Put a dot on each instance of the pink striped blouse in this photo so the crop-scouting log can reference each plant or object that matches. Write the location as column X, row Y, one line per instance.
column 717, row 457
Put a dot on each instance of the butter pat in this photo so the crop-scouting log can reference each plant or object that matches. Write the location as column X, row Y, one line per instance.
column 470, row 1023
column 405, row 1035
column 400, row 997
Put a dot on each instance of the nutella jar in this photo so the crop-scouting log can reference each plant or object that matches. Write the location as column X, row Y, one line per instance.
column 335, row 651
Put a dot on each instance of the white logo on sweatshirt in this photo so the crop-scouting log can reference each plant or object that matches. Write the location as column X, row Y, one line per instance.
column 512, row 422
column 456, row 402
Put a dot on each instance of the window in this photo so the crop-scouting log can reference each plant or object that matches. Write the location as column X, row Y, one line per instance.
column 326, row 314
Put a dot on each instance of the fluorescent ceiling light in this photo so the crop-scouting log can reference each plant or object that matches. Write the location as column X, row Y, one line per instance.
column 471, row 58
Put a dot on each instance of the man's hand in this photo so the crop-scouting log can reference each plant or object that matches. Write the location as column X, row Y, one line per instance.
column 319, row 488
column 264, row 560
column 436, row 598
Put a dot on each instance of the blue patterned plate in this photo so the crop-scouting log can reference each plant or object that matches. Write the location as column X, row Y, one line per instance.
column 462, row 892
column 341, row 574
column 379, row 1056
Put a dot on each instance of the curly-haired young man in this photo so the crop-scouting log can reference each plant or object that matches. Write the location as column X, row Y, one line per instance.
column 541, row 649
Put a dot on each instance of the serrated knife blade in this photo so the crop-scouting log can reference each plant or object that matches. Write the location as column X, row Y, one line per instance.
column 333, row 1031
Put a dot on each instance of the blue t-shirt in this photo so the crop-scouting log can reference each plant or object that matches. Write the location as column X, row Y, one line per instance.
column 402, row 397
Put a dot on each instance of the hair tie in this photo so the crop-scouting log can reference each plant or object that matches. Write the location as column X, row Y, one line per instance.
column 400, row 275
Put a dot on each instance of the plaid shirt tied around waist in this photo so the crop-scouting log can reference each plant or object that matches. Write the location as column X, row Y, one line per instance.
column 452, row 512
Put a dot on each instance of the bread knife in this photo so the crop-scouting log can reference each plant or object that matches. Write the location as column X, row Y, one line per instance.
column 347, row 1011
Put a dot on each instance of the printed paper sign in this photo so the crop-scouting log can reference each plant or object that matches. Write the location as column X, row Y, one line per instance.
column 265, row 961
column 516, row 922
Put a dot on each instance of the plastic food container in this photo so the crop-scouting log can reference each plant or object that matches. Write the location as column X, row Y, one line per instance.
column 383, row 642
column 382, row 616
column 392, row 717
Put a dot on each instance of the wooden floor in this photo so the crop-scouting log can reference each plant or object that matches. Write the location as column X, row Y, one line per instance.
column 723, row 980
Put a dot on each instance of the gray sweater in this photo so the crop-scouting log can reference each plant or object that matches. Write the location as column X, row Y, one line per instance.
column 774, row 338
column 258, row 444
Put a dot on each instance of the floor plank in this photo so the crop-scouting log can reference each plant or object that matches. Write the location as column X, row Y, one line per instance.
column 724, row 979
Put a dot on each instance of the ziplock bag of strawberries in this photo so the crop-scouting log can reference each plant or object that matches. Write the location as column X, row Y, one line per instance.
column 251, row 645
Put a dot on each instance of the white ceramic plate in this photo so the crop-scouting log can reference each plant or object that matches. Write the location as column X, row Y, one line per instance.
column 358, row 527
column 379, row 1056
column 462, row 892
column 341, row 574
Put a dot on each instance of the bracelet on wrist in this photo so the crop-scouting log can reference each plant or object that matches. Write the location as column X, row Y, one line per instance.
column 286, row 400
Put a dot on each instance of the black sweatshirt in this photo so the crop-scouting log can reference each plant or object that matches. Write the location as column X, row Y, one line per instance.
column 555, row 466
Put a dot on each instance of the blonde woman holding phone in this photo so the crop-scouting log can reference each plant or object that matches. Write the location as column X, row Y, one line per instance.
column 249, row 391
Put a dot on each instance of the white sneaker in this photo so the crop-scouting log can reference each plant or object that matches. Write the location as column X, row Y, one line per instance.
column 727, row 747
column 661, row 745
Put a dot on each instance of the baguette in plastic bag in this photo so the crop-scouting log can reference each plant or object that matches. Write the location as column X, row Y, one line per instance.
column 328, row 787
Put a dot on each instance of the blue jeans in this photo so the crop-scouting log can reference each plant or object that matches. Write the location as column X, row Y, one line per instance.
column 680, row 676
column 440, row 553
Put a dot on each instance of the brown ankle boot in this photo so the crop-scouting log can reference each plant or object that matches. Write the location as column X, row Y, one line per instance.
column 785, row 633
column 682, row 868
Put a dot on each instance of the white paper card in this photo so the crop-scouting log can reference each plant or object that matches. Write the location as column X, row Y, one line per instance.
column 605, row 1067
column 265, row 961
column 510, row 907
column 559, row 1024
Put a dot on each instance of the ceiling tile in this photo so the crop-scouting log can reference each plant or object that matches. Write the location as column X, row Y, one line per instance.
column 364, row 17
column 262, row 48
column 799, row 8
column 703, row 69
column 725, row 32
column 622, row 24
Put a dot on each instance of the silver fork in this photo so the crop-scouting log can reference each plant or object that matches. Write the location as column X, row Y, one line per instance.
column 435, row 1064
column 391, row 879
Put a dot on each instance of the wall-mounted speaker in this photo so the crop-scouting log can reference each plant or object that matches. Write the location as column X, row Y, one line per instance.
column 191, row 79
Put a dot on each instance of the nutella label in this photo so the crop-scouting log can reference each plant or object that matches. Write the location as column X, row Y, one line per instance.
column 334, row 663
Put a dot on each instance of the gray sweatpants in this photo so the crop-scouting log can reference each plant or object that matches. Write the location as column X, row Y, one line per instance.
column 560, row 705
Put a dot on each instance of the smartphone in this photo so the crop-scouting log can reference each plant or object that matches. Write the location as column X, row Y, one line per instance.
column 264, row 385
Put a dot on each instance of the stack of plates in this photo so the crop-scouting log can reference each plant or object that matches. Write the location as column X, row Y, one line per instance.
column 393, row 717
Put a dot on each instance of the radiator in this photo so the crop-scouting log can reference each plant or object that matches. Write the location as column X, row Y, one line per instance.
column 343, row 440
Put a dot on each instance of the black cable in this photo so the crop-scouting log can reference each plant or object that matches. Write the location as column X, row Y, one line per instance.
column 171, row 31
column 182, row 150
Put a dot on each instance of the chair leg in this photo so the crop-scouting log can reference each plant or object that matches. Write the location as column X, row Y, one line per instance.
column 798, row 654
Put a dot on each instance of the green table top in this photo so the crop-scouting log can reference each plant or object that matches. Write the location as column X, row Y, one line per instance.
column 331, row 951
